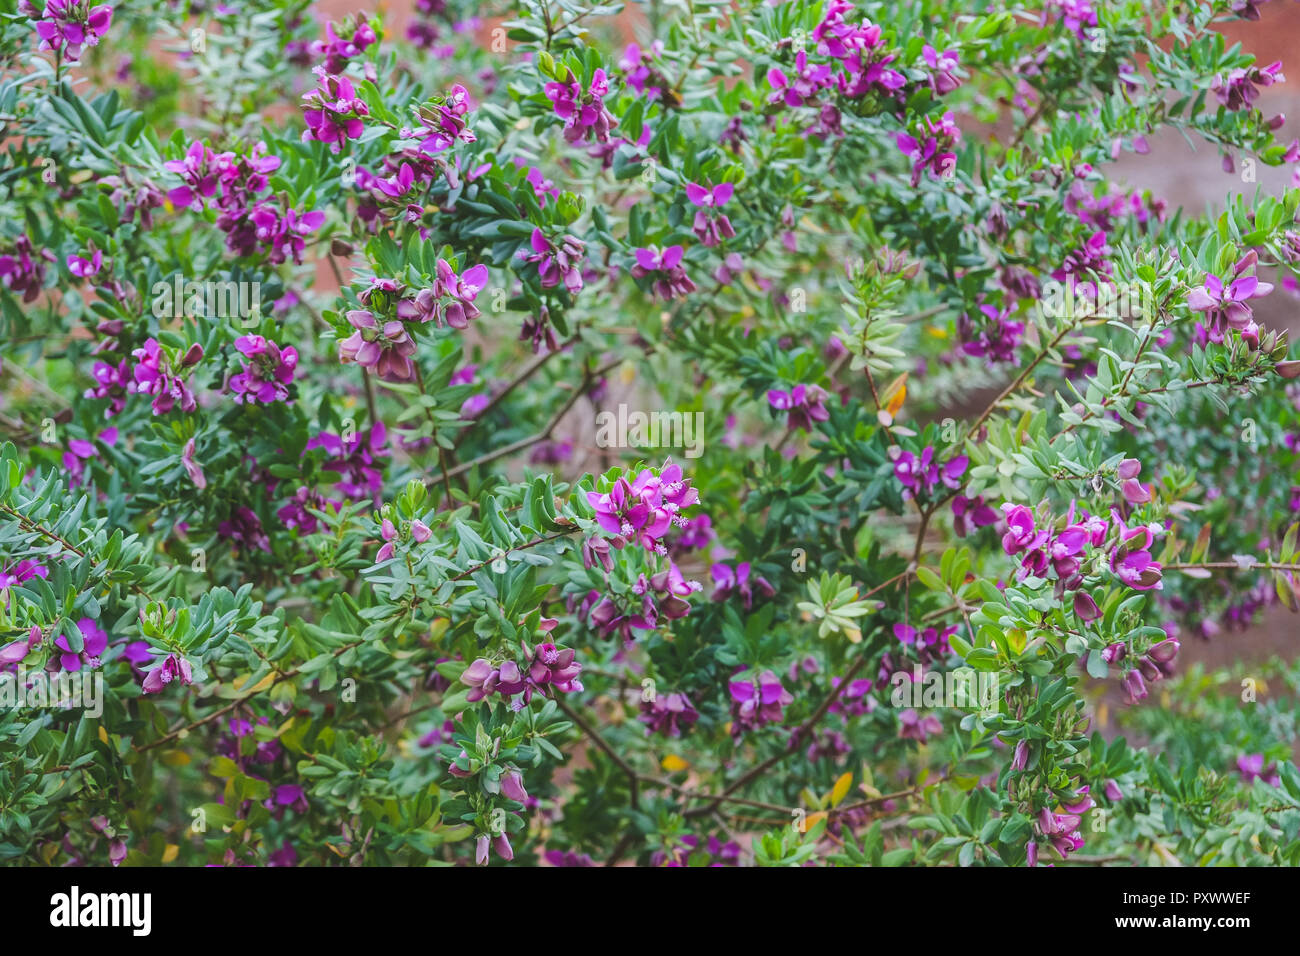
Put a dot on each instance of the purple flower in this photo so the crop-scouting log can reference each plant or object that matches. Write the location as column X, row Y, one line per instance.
column 668, row 714
column 664, row 267
column 173, row 666
column 711, row 226
column 343, row 43
column 1239, row 89
column 804, row 404
column 1252, row 768
column 293, row 796
column 14, row 652
column 645, row 508
column 153, row 375
column 942, row 65
column 1021, row 533
column 86, row 268
column 192, row 468
column 757, row 701
column 968, row 513
column 333, row 112
column 268, row 373
column 68, row 25
column 912, row 726
column 385, row 348
column 21, row 272
column 583, row 112
column 355, row 459
column 1226, row 307
column 244, row 527
column 725, row 581
column 556, row 264
column 933, row 150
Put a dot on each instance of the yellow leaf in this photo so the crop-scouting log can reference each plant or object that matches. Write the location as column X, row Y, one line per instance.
column 853, row 634
column 813, row 820
column 895, row 394
column 937, row 332
column 176, row 758
column 103, row 735
column 674, row 764
column 170, row 852
column 841, row 789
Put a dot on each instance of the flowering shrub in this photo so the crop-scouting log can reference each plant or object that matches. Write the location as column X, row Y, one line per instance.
column 943, row 443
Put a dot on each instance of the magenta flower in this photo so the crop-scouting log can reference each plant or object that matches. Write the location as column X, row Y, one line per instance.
column 1252, row 768
column 664, row 267
column 711, row 226
column 725, row 581
column 556, row 264
column 86, row 268
column 14, row 652
column 757, row 700
column 1226, row 307
column 645, row 508
column 804, row 404
column 669, row 714
column 68, row 25
column 333, row 112
column 269, row 371
column 942, row 66
column 346, row 42
column 933, row 149
column 173, row 666
column 153, row 375
column 553, row 666
column 809, row 79
column 1021, row 533
column 583, row 112
column 444, row 124
column 1062, row 829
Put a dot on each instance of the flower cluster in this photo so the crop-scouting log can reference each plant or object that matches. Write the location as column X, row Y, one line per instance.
column 154, row 375
column 1227, row 305
column 932, row 147
column 1156, row 664
column 645, row 508
column 1240, row 88
column 236, row 183
column 664, row 267
column 380, row 339
column 22, row 269
column 67, row 26
column 267, row 374
column 669, row 715
column 921, row 475
column 803, row 405
column 343, row 42
column 546, row 666
column 557, row 263
column 333, row 112
column 756, row 701
column 583, row 111
column 711, row 225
